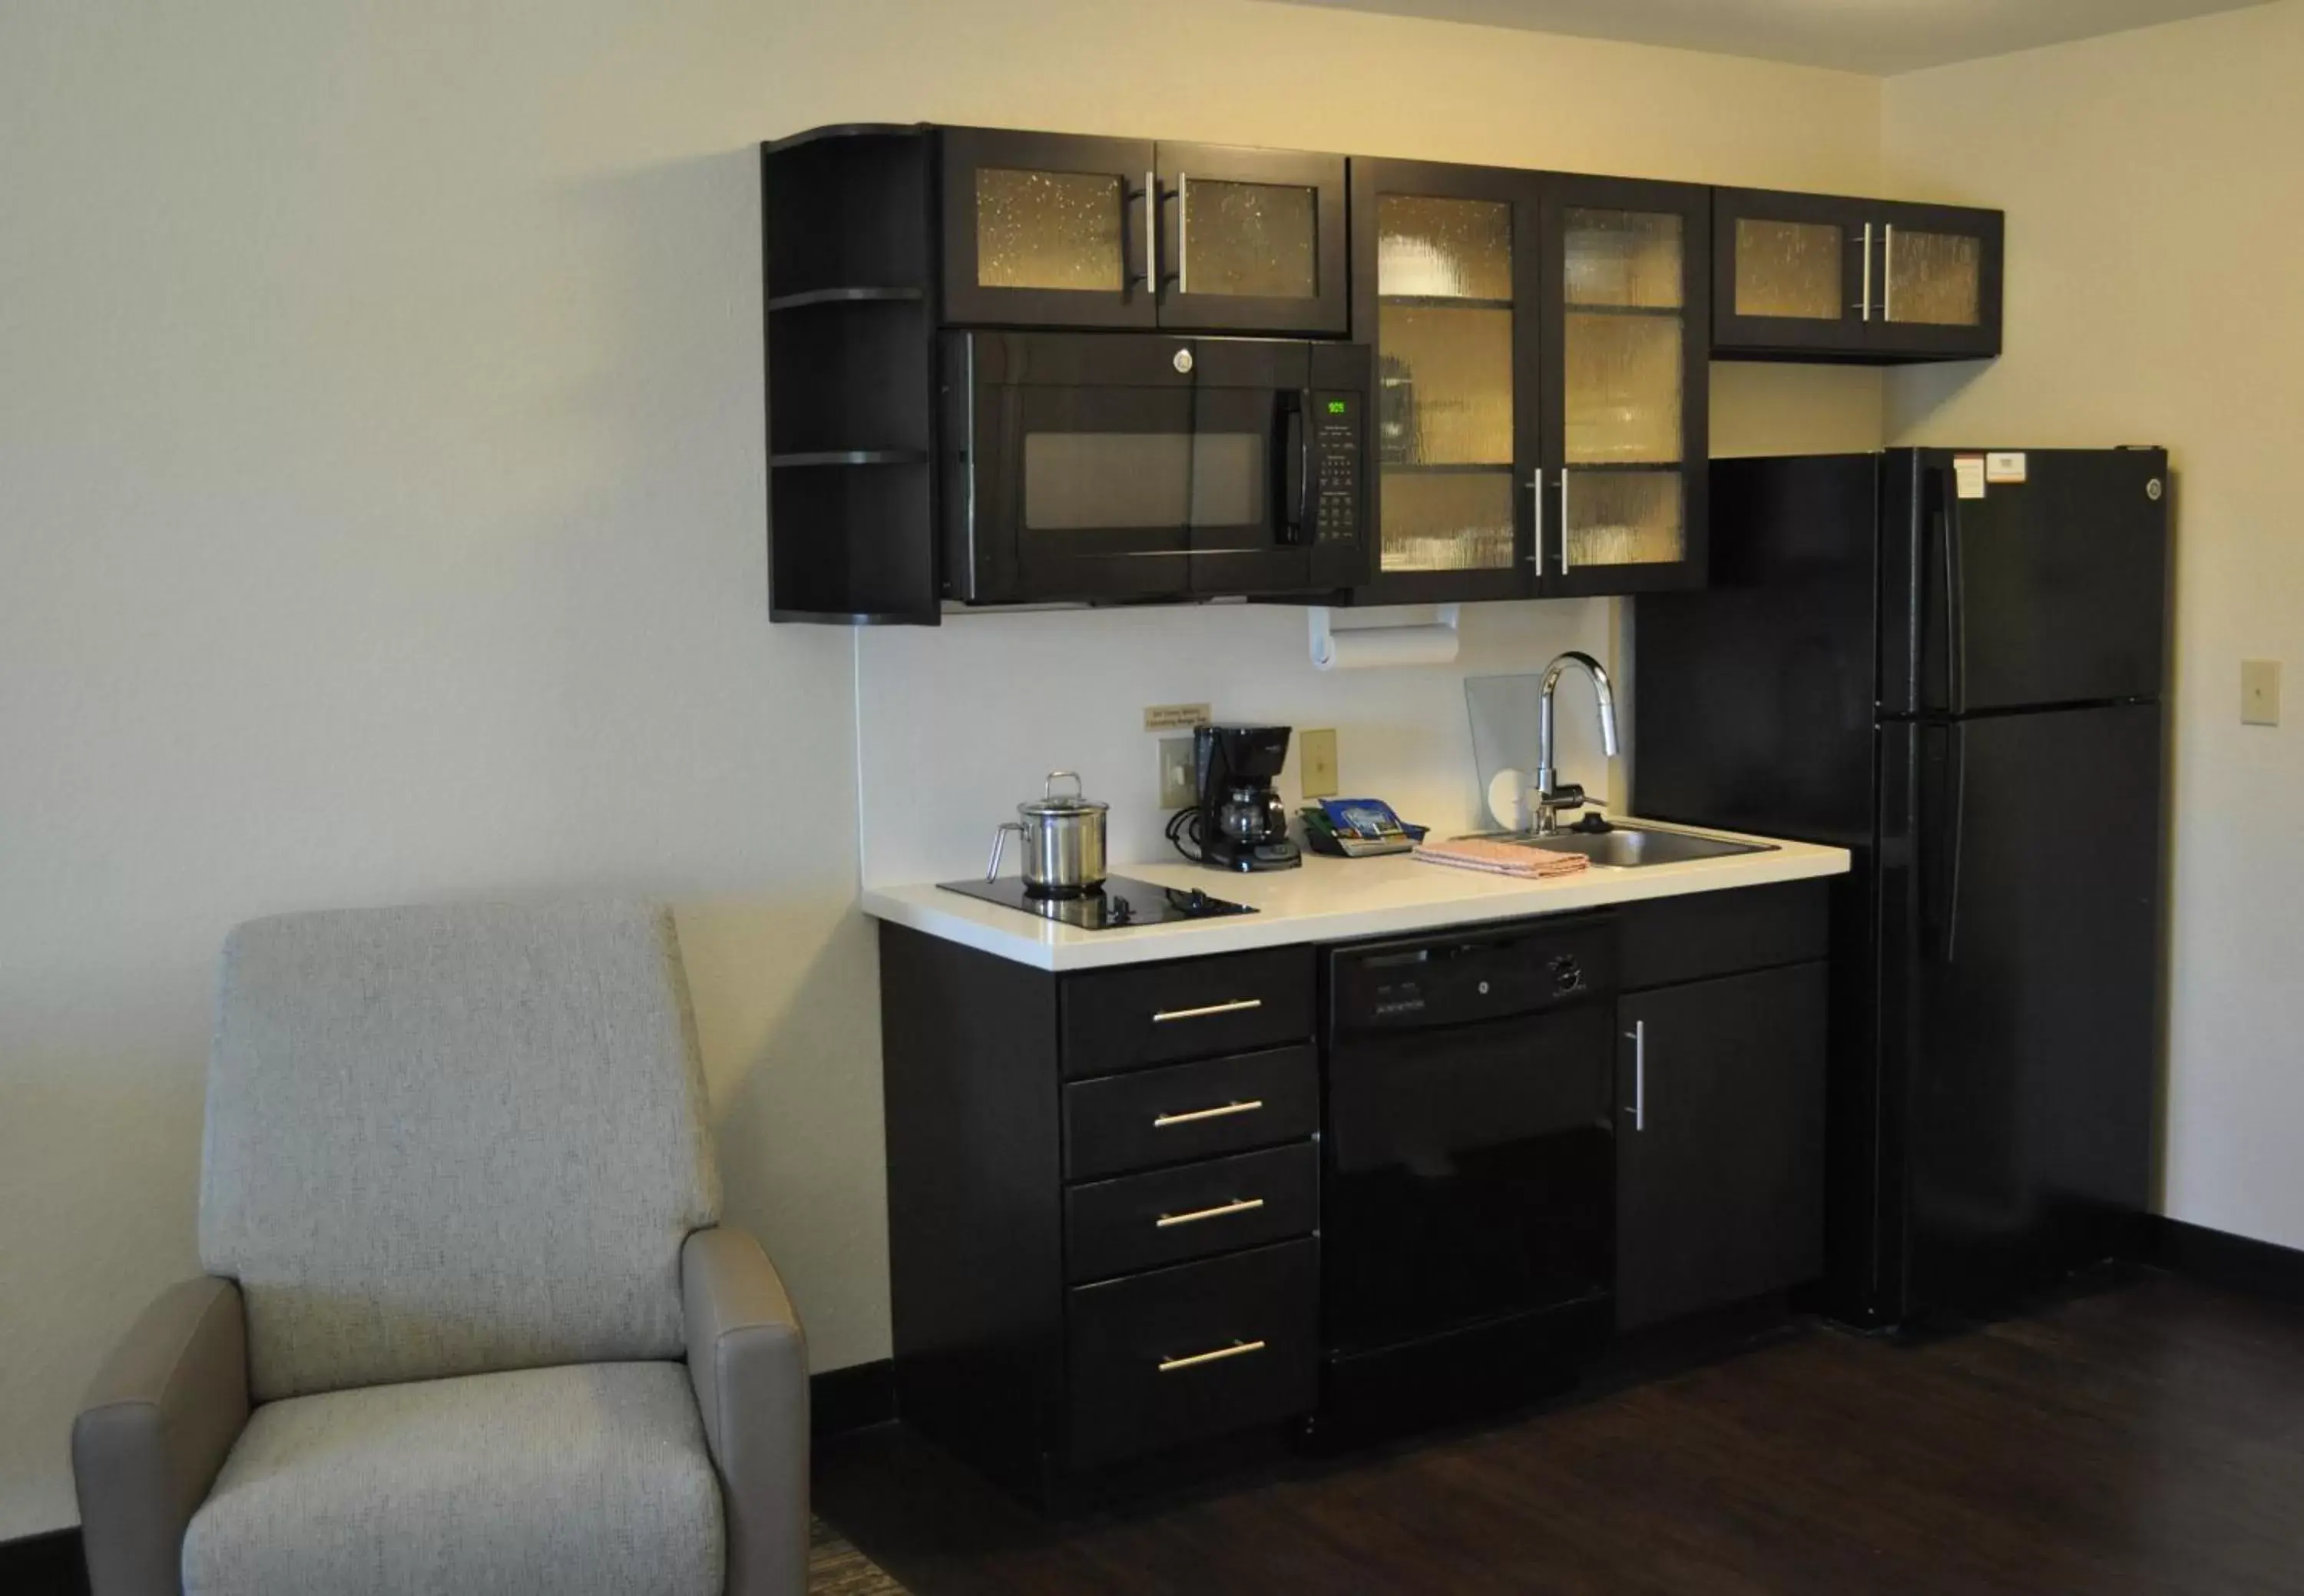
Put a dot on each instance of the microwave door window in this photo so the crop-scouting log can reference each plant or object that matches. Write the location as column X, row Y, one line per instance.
column 1236, row 479
column 1103, row 479
column 1108, row 482
column 1113, row 482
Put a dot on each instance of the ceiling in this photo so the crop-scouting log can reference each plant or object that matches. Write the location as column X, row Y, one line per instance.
column 1881, row 37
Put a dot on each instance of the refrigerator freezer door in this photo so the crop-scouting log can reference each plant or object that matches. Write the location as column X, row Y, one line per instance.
column 2019, row 974
column 2050, row 591
column 1755, row 695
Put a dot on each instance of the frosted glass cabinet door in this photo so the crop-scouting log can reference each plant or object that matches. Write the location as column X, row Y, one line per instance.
column 1251, row 240
column 1445, row 285
column 1931, row 279
column 1046, row 230
column 1628, row 457
column 1788, row 269
column 1939, row 292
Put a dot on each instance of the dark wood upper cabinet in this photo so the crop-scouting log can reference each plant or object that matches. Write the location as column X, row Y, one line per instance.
column 1626, row 400
column 1825, row 277
column 1048, row 230
column 1446, row 287
column 1059, row 230
column 848, row 268
column 1541, row 344
column 1252, row 241
column 1540, row 341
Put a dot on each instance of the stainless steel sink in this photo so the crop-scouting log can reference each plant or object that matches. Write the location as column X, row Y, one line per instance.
column 1627, row 847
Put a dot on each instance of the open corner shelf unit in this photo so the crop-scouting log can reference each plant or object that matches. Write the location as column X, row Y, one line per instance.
column 848, row 258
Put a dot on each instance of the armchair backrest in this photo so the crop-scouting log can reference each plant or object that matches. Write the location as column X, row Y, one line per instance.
column 450, row 1140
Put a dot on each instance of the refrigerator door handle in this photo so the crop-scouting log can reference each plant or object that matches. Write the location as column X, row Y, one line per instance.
column 1945, row 831
column 1944, row 509
column 1955, row 612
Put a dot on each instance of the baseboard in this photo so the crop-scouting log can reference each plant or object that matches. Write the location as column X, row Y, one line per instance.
column 46, row 1565
column 2219, row 1257
column 850, row 1398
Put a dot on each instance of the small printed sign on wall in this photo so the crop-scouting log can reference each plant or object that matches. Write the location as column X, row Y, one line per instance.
column 1968, row 472
column 2004, row 468
column 1172, row 717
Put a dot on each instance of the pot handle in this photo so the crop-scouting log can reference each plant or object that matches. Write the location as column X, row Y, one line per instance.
column 1048, row 787
column 999, row 842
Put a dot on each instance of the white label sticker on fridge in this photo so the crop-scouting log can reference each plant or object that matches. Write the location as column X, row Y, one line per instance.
column 2004, row 468
column 1968, row 471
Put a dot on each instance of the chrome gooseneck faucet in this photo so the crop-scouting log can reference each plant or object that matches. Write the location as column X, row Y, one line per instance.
column 1550, row 797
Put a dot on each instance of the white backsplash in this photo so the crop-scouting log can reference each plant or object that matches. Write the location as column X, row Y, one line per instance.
column 958, row 724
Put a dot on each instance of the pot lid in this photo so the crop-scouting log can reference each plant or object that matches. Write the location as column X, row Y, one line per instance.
column 1052, row 802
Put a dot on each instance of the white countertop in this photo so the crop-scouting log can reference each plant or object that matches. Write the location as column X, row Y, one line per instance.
column 1330, row 900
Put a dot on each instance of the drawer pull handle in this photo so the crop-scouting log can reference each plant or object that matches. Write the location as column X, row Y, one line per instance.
column 1237, row 1349
column 1236, row 1006
column 1161, row 1121
column 1238, row 1205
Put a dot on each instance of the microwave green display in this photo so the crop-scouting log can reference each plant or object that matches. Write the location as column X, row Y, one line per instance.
column 1336, row 407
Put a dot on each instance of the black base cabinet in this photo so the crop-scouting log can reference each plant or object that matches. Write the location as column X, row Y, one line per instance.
column 1105, row 1188
column 1721, row 1086
column 1103, row 1195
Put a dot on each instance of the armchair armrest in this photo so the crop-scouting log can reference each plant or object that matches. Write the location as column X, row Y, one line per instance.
column 747, row 1361
column 153, row 1430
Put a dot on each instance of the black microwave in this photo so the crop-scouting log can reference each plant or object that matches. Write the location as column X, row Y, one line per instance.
column 1130, row 467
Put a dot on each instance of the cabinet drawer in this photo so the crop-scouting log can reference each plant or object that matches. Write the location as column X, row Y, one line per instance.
column 1139, row 1222
column 1664, row 941
column 1150, row 1014
column 1149, row 1117
column 1226, row 1344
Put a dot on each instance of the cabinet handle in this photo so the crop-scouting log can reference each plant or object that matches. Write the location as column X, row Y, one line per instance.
column 1867, row 271
column 1237, row 1349
column 1162, row 1121
column 1888, row 271
column 1536, row 487
column 1237, row 1005
column 1151, row 232
column 1563, row 521
column 1183, row 232
column 1638, row 1034
column 1238, row 1205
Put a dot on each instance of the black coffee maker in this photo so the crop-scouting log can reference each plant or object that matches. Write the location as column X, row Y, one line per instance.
column 1243, row 826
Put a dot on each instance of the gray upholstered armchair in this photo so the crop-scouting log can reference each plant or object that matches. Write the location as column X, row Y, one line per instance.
column 457, row 1209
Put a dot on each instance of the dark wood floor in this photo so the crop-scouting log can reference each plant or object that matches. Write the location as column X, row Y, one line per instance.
column 2147, row 1437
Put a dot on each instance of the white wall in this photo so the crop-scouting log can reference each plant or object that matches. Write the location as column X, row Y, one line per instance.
column 2154, row 187
column 380, row 512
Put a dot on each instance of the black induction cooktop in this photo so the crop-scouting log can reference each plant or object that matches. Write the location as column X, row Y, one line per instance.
column 1121, row 901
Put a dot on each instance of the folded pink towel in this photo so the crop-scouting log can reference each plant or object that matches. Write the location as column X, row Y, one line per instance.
column 1501, row 858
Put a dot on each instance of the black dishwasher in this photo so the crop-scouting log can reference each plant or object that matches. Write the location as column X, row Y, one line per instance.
column 1468, row 1177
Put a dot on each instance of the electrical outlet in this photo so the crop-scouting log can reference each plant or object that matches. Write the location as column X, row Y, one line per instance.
column 1179, row 781
column 2259, row 692
column 1318, row 773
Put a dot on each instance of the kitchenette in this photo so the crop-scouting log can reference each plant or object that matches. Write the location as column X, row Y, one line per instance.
column 1262, row 1114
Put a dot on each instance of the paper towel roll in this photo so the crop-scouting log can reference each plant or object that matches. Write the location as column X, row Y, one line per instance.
column 1388, row 645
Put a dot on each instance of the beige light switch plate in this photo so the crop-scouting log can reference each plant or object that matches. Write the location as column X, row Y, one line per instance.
column 2259, row 692
column 1318, row 763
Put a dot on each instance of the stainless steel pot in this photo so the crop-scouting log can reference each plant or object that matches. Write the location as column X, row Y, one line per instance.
column 1063, row 839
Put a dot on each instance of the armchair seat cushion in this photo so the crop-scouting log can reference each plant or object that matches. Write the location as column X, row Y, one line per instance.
column 567, row 1480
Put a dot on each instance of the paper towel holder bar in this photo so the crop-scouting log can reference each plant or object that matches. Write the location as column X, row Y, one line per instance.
column 1334, row 646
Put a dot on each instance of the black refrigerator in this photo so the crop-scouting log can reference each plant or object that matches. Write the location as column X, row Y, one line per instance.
column 1951, row 663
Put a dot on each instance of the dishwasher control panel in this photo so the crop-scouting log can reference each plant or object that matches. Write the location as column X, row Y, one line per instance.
column 1457, row 978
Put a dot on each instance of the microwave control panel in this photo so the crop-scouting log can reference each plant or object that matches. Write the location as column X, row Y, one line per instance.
column 1336, row 423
